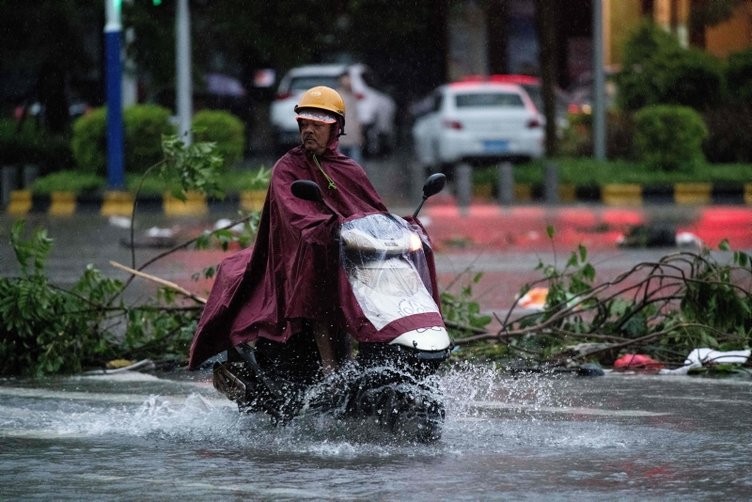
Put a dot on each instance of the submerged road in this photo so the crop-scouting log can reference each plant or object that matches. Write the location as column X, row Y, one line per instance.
column 533, row 437
column 171, row 437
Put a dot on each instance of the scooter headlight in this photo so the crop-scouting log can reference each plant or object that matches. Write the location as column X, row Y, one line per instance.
column 414, row 242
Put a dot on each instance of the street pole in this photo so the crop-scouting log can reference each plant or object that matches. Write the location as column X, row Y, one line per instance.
column 184, row 89
column 599, row 95
column 114, row 92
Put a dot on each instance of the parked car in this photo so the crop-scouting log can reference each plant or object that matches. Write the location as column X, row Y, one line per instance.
column 477, row 122
column 376, row 109
column 534, row 88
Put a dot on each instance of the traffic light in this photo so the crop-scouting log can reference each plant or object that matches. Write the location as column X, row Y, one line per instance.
column 156, row 3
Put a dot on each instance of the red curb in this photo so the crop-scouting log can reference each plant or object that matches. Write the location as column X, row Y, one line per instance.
column 724, row 223
column 491, row 227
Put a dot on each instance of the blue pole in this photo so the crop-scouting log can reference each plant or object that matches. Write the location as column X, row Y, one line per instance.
column 599, row 100
column 114, row 90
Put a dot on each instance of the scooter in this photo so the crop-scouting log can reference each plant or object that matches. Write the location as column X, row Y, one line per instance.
column 388, row 303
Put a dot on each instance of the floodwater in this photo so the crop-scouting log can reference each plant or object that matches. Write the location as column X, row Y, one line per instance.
column 528, row 437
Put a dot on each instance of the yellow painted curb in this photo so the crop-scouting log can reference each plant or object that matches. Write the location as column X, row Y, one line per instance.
column 252, row 200
column 117, row 203
column 20, row 202
column 693, row 193
column 567, row 192
column 193, row 205
column 523, row 192
column 621, row 194
column 62, row 204
column 483, row 191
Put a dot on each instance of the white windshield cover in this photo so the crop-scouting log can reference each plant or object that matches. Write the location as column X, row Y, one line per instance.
column 386, row 268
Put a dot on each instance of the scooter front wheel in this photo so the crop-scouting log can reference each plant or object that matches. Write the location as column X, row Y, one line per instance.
column 418, row 417
column 408, row 408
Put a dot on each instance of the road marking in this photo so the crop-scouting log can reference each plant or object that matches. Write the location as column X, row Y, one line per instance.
column 567, row 410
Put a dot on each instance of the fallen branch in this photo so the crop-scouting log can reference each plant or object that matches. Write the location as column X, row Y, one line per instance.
column 465, row 328
column 161, row 281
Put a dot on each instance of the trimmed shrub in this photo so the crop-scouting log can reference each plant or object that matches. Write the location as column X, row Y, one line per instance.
column 68, row 181
column 739, row 77
column 657, row 70
column 143, row 125
column 89, row 144
column 28, row 144
column 669, row 138
column 693, row 78
column 639, row 80
column 224, row 129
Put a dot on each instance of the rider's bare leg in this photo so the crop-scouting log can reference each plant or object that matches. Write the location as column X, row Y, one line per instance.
column 325, row 345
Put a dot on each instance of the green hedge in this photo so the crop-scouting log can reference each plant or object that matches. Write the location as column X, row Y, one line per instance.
column 68, row 181
column 224, row 129
column 658, row 70
column 143, row 125
column 669, row 138
column 586, row 172
column 29, row 144
column 739, row 77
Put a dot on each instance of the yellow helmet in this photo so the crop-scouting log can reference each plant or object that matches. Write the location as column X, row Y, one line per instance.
column 322, row 98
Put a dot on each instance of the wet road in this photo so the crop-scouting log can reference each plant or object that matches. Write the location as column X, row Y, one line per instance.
column 88, row 238
column 91, row 239
column 170, row 437
column 530, row 437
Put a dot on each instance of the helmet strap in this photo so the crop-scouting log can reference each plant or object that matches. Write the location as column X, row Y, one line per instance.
column 331, row 185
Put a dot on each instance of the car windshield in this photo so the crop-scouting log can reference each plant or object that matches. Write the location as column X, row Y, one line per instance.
column 305, row 83
column 488, row 99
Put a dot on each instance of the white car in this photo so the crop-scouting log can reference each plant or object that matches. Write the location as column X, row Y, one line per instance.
column 478, row 123
column 376, row 109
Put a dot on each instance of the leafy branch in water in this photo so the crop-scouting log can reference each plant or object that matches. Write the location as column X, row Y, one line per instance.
column 665, row 308
column 461, row 311
column 46, row 329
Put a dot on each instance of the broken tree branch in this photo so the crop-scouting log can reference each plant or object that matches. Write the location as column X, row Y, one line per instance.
column 158, row 280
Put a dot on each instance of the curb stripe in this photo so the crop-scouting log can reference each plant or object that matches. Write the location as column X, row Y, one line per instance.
column 120, row 203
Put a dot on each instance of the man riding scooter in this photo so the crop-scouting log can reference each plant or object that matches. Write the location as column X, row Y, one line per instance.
column 282, row 294
column 329, row 264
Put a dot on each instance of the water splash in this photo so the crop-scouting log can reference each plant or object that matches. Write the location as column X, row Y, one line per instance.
column 486, row 409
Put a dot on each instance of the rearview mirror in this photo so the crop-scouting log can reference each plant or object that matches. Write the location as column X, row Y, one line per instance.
column 433, row 185
column 306, row 190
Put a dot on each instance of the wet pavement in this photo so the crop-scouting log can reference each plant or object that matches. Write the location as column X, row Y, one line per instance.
column 530, row 437
column 504, row 243
column 523, row 437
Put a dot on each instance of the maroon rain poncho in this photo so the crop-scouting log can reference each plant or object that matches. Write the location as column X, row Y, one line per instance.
column 290, row 274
